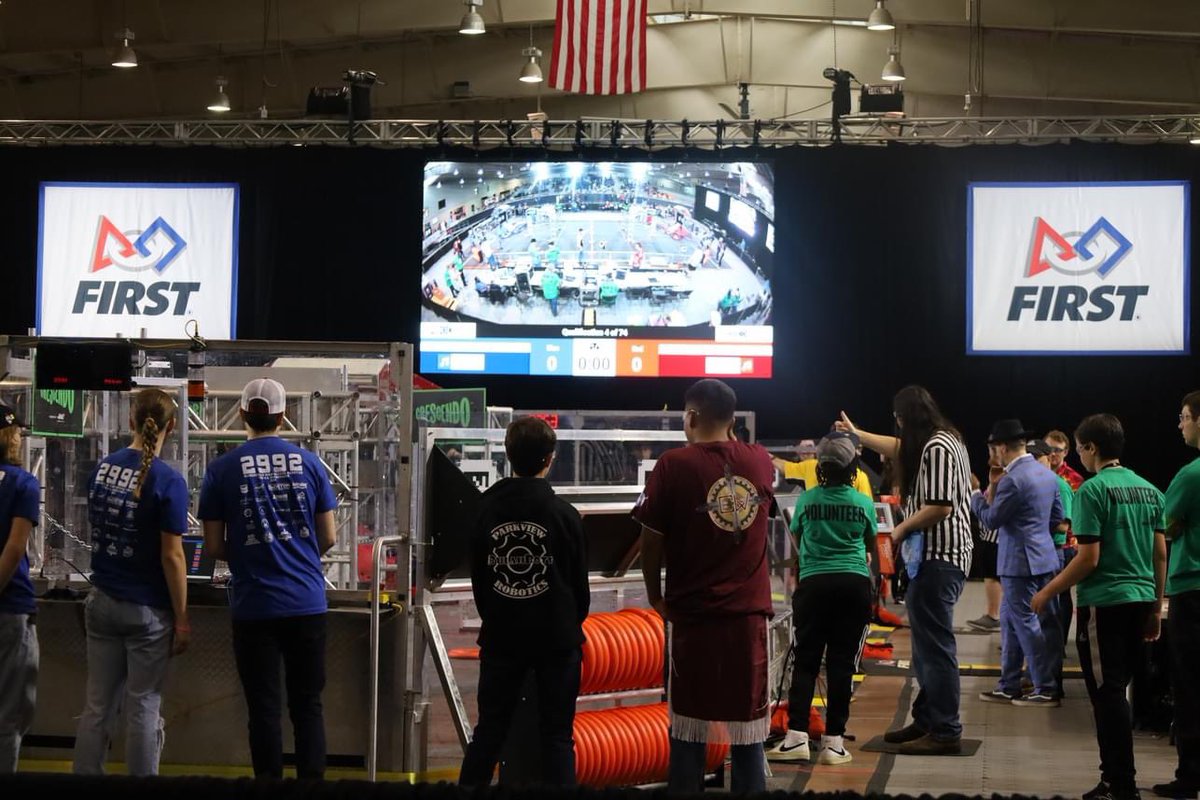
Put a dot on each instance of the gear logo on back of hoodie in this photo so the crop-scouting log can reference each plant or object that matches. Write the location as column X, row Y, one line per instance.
column 520, row 560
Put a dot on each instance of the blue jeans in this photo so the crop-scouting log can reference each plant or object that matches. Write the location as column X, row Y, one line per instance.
column 18, row 677
column 553, row 304
column 1027, row 636
column 686, row 773
column 128, row 647
column 930, row 602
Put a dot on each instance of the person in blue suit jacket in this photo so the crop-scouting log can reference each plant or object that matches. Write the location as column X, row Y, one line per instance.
column 1023, row 505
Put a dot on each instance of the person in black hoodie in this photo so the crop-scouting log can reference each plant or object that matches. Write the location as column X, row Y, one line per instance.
column 530, row 581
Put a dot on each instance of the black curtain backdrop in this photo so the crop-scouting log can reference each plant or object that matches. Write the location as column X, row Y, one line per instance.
column 870, row 277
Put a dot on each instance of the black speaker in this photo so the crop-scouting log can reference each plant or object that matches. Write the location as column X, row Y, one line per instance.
column 880, row 99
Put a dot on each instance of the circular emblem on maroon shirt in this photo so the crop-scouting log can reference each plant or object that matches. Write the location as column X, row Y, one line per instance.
column 732, row 503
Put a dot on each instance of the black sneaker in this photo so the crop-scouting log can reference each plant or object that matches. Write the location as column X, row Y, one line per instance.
column 906, row 734
column 1106, row 791
column 1175, row 789
column 997, row 696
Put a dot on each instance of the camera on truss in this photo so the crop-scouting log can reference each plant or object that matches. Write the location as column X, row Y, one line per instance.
column 841, row 89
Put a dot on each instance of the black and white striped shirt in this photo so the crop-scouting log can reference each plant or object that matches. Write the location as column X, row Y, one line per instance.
column 944, row 478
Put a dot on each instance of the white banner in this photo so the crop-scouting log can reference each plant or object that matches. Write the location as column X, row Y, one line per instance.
column 1097, row 268
column 123, row 257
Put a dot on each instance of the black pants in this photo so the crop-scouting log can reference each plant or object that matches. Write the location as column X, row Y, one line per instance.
column 1110, row 642
column 260, row 647
column 1066, row 607
column 831, row 614
column 501, row 677
column 1183, row 637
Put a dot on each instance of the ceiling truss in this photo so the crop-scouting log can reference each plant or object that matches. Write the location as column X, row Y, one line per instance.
column 649, row 135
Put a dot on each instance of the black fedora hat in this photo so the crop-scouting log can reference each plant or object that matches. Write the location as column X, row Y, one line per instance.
column 1008, row 430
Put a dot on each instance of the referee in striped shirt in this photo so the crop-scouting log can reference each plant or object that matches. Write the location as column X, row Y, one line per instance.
column 935, row 486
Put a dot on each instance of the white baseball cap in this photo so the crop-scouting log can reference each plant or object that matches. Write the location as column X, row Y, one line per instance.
column 270, row 392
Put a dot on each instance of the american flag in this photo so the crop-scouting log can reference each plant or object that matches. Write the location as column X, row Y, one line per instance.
column 599, row 47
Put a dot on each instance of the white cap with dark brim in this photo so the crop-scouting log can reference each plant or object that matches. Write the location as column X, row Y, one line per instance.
column 269, row 391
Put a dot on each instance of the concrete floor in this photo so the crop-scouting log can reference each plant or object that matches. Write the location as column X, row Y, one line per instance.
column 1040, row 752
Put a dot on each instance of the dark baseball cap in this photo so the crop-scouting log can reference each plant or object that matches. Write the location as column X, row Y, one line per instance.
column 838, row 449
column 1038, row 448
column 9, row 418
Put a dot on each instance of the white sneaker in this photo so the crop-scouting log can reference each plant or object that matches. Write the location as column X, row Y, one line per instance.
column 791, row 748
column 833, row 751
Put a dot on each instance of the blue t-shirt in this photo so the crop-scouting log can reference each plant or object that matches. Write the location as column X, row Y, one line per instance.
column 20, row 496
column 268, row 493
column 127, row 532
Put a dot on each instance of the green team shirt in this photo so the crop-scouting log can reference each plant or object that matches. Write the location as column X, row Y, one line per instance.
column 832, row 527
column 1068, row 500
column 1123, row 511
column 1183, row 510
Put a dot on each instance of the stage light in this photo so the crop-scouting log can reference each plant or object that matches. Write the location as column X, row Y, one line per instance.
column 125, row 58
column 605, row 169
column 472, row 23
column 880, row 19
column 639, row 170
column 220, row 103
column 481, row 172
column 532, row 71
column 541, row 171
column 893, row 70
column 575, row 170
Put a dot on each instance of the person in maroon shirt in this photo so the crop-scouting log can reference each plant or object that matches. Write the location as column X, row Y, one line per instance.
column 705, row 510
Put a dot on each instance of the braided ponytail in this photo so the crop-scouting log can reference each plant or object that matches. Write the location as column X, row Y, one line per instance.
column 149, row 441
column 152, row 413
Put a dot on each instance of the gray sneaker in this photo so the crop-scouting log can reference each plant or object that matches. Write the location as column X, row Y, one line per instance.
column 985, row 623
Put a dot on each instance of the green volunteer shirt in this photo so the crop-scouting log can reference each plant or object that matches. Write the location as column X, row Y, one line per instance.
column 1068, row 500
column 832, row 527
column 1183, row 509
column 1122, row 511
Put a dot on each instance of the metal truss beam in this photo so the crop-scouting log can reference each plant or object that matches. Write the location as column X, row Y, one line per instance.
column 647, row 135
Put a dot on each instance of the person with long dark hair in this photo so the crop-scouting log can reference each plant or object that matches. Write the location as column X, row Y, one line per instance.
column 20, row 501
column 136, row 614
column 934, row 477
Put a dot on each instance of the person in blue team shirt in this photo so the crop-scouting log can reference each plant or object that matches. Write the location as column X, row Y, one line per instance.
column 267, row 508
column 136, row 616
column 20, row 497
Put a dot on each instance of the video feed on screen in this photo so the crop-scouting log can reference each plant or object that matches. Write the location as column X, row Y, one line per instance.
column 598, row 268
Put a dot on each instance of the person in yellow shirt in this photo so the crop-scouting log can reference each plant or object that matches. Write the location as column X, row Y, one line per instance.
column 806, row 469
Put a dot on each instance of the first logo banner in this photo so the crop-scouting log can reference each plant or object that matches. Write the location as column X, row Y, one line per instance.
column 1083, row 268
column 120, row 258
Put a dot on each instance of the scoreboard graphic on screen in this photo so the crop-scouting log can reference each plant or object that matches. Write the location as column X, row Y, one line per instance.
column 742, row 352
column 598, row 269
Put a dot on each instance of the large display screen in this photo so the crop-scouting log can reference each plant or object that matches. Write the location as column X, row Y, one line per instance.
column 606, row 269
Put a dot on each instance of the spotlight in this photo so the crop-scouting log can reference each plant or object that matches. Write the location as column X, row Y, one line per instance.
column 532, row 71
column 880, row 19
column 893, row 70
column 220, row 102
column 472, row 23
column 125, row 58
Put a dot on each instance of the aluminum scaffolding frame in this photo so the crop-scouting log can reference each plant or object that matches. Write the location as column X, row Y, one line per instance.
column 647, row 135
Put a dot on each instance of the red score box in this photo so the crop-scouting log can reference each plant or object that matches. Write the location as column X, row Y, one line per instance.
column 699, row 366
